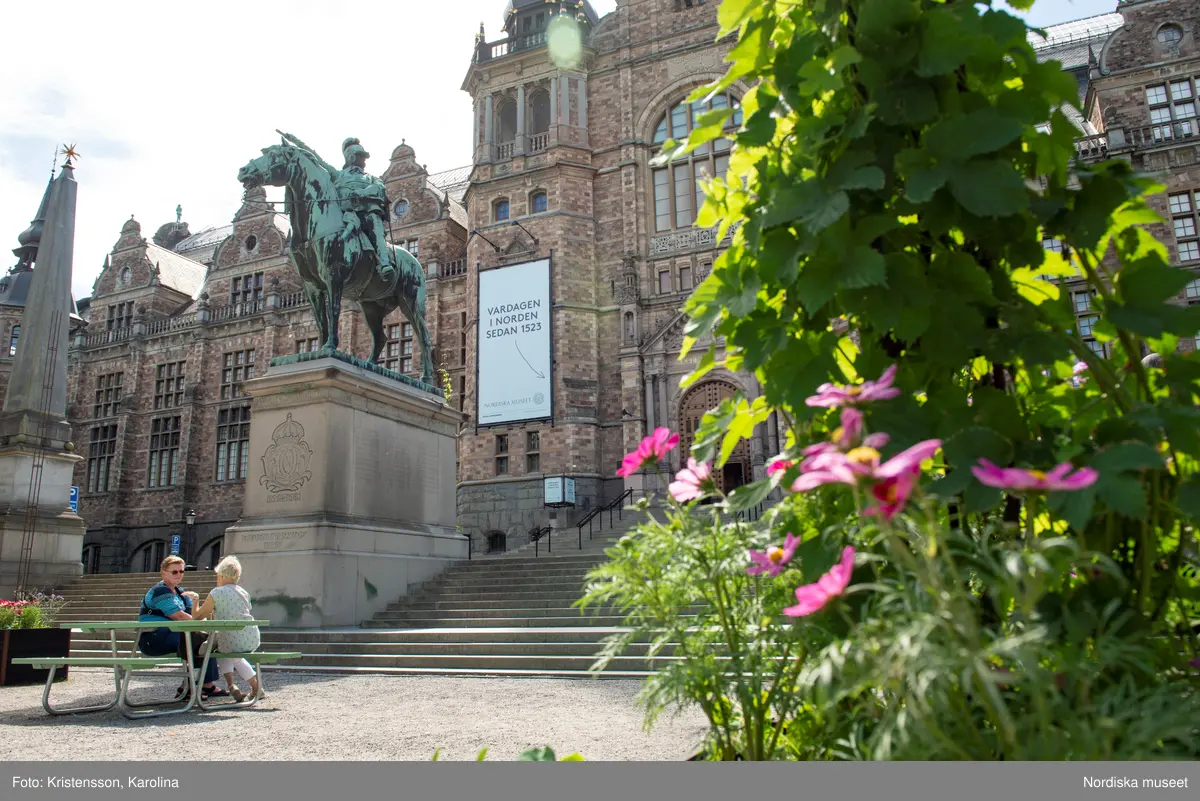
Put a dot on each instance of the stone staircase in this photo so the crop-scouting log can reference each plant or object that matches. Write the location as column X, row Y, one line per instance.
column 501, row 615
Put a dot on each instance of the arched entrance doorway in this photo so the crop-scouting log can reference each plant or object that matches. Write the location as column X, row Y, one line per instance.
column 695, row 403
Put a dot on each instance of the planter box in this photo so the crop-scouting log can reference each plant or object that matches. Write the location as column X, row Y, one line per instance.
column 17, row 643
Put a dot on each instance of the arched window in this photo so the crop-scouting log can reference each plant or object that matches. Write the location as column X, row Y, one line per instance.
column 630, row 329
column 537, row 122
column 12, row 340
column 537, row 202
column 1169, row 34
column 210, row 553
column 500, row 210
column 148, row 557
column 496, row 542
column 677, row 186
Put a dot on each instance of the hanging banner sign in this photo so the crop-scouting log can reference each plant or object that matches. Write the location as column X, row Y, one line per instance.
column 513, row 357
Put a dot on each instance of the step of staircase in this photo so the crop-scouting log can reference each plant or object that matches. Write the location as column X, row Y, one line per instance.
column 510, row 614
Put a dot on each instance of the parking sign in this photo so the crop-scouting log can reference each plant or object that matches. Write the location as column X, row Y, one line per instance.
column 174, row 545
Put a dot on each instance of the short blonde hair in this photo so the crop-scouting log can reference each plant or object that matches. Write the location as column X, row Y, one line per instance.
column 230, row 568
column 171, row 560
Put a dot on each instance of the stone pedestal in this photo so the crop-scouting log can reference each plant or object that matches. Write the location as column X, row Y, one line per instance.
column 58, row 532
column 349, row 496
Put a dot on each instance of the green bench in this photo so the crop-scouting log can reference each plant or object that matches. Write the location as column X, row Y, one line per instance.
column 255, row 658
column 122, row 667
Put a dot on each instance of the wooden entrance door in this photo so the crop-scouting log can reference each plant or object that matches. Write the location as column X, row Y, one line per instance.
column 700, row 399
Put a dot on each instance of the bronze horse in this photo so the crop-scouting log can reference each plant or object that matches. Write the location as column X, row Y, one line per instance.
column 319, row 254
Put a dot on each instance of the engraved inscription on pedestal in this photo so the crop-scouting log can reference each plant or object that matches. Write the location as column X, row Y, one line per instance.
column 285, row 462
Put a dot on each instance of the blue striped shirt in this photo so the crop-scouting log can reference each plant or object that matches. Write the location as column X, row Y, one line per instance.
column 161, row 602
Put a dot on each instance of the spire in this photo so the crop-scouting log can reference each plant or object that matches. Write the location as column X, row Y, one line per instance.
column 35, row 404
column 28, row 240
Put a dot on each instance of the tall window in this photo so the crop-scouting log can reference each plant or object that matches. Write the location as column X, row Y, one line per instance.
column 685, row 278
column 500, row 210
column 108, row 395
column 462, row 333
column 537, row 203
column 413, row 246
column 164, row 452
column 462, row 391
column 168, row 385
column 533, row 455
column 398, row 355
column 233, row 443
column 102, row 450
column 246, row 289
column 664, row 282
column 120, row 315
column 238, row 366
column 12, row 340
column 501, row 454
column 1186, row 224
column 310, row 345
column 677, row 187
column 1172, row 108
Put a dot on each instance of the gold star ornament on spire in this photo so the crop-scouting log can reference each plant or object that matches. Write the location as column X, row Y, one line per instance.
column 69, row 152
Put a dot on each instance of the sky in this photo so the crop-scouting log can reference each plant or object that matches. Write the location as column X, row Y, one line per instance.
column 166, row 100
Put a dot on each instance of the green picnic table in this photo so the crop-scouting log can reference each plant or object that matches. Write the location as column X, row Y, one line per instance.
column 124, row 666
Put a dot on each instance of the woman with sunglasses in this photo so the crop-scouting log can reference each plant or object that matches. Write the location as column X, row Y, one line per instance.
column 166, row 600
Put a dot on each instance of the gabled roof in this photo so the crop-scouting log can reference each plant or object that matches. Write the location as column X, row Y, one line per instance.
column 176, row 271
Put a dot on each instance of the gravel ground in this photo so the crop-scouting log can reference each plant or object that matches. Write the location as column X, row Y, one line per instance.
column 336, row 717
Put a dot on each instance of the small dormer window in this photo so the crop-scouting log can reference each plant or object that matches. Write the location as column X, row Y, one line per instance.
column 1170, row 34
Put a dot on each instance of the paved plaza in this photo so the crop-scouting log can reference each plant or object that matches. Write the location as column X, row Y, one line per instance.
column 345, row 717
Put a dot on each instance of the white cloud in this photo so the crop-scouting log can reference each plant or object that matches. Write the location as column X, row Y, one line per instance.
column 166, row 101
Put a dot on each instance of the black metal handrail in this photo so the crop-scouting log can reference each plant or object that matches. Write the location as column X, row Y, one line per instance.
column 617, row 503
column 536, row 535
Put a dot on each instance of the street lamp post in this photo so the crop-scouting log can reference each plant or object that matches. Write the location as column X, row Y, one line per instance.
column 190, row 554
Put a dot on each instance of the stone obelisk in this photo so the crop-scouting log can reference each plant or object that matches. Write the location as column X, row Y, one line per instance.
column 41, row 539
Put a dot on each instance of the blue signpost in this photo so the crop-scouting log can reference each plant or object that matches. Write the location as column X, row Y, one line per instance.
column 174, row 545
column 75, row 500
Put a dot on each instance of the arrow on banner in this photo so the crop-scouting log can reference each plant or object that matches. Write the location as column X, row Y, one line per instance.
column 536, row 371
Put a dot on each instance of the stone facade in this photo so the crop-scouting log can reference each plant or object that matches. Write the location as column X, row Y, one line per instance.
column 560, row 167
column 1141, row 97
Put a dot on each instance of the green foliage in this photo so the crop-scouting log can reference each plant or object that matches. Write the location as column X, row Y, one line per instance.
column 893, row 179
column 32, row 610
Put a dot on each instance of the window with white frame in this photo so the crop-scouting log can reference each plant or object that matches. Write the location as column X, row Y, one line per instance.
column 233, row 443
column 246, row 289
column 102, row 451
column 1185, row 223
column 1083, row 301
column 1053, row 245
column 308, row 345
column 1192, row 290
column 678, row 190
column 164, row 452
column 236, row 367
column 398, row 353
column 168, row 385
column 1172, row 108
column 412, row 246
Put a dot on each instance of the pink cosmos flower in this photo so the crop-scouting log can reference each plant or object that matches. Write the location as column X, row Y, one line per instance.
column 774, row 559
column 650, row 451
column 833, row 396
column 692, row 482
column 1080, row 367
column 779, row 465
column 1018, row 479
column 813, row 597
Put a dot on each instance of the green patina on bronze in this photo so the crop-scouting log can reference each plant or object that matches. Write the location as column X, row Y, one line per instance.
column 378, row 369
column 339, row 248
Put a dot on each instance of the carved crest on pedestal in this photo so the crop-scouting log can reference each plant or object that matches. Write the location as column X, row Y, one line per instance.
column 285, row 463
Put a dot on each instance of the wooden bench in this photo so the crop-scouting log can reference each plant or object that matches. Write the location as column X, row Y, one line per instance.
column 122, row 667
